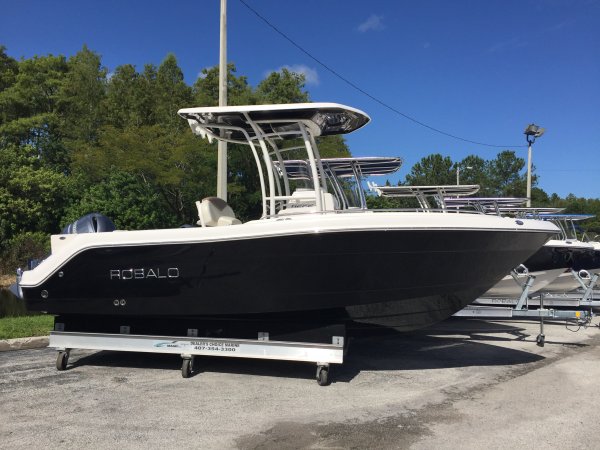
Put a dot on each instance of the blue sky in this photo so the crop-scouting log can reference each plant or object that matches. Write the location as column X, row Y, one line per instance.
column 481, row 70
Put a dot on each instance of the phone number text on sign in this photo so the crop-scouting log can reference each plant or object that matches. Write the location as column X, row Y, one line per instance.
column 212, row 346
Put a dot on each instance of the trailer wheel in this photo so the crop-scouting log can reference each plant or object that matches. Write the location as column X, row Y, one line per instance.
column 61, row 360
column 322, row 375
column 187, row 368
column 541, row 340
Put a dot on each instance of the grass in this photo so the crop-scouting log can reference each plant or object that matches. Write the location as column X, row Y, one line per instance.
column 25, row 326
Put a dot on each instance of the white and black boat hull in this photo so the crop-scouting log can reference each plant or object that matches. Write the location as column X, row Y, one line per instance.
column 415, row 276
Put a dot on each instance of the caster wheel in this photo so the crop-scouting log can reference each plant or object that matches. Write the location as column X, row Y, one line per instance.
column 186, row 368
column 323, row 375
column 541, row 340
column 61, row 360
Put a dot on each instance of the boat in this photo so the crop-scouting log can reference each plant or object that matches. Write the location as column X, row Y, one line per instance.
column 573, row 232
column 584, row 263
column 305, row 262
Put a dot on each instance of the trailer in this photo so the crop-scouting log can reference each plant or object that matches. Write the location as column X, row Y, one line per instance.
column 191, row 346
column 526, row 307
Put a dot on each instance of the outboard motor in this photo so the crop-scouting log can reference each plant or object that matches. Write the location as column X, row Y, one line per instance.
column 92, row 223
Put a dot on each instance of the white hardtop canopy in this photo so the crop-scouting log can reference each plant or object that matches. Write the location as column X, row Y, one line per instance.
column 262, row 126
column 273, row 121
column 438, row 193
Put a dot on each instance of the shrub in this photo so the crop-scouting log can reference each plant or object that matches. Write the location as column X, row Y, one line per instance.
column 23, row 247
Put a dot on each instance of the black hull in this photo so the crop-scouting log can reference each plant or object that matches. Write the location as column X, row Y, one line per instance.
column 415, row 313
column 404, row 315
column 550, row 258
column 424, row 274
column 589, row 260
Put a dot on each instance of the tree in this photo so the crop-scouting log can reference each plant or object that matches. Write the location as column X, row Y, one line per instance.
column 377, row 202
column 434, row 169
column 206, row 88
column 28, row 115
column 171, row 94
column 155, row 154
column 505, row 175
column 539, row 197
column 9, row 67
column 147, row 96
column 124, row 198
column 34, row 89
column 80, row 99
column 474, row 170
column 333, row 147
column 282, row 87
column 32, row 196
column 121, row 105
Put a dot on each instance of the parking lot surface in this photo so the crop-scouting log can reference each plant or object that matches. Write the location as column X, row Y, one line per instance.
column 462, row 384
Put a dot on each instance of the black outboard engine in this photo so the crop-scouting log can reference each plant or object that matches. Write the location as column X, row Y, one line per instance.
column 92, row 223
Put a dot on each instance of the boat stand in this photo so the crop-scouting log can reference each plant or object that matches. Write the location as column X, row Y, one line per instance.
column 577, row 300
column 581, row 299
column 496, row 308
column 191, row 346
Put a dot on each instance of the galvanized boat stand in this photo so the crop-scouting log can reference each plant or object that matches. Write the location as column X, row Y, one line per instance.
column 582, row 299
column 510, row 308
column 190, row 347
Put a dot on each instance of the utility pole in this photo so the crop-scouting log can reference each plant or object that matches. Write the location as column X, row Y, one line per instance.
column 222, row 146
column 458, row 174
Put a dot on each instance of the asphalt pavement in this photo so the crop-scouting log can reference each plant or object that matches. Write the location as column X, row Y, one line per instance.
column 462, row 384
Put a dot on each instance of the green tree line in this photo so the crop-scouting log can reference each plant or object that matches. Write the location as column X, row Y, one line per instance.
column 76, row 138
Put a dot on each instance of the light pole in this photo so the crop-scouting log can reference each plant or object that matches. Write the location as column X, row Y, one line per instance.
column 458, row 173
column 531, row 133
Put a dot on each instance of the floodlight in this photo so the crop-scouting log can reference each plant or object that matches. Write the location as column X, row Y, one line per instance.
column 534, row 131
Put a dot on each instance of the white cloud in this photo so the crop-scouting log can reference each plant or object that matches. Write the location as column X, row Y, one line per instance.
column 374, row 22
column 201, row 74
column 310, row 75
